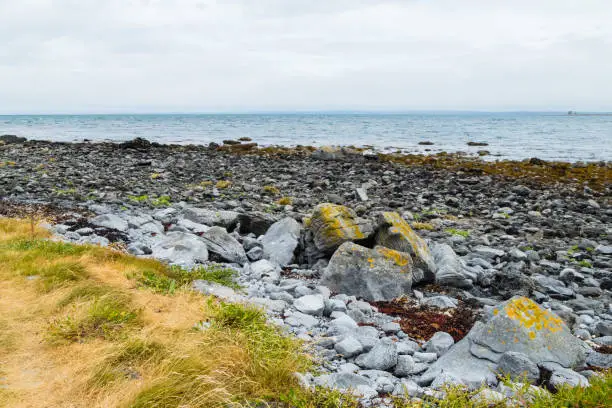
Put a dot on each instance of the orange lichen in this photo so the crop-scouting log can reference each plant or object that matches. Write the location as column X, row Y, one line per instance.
column 399, row 258
column 531, row 316
column 339, row 222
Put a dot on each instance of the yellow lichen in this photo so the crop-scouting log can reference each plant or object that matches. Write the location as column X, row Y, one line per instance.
column 339, row 222
column 531, row 316
column 223, row 184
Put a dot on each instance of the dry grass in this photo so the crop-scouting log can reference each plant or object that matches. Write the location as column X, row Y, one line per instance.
column 77, row 331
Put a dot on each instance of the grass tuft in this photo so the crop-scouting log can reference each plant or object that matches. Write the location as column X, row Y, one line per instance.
column 458, row 232
column 168, row 280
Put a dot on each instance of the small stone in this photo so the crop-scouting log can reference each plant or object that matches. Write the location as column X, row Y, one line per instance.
column 349, row 347
column 383, row 356
column 310, row 304
column 425, row 357
column 404, row 366
column 391, row 327
column 441, row 302
column 255, row 254
column 439, row 343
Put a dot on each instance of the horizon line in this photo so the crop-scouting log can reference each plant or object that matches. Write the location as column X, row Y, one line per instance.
column 308, row 112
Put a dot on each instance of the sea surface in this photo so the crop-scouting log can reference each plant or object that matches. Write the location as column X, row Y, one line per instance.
column 549, row 136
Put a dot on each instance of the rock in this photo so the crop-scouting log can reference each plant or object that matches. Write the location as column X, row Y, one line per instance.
column 439, row 343
column 225, row 246
column 111, row 221
column 404, row 366
column 341, row 325
column 600, row 360
column 487, row 397
column 441, row 302
column 349, row 347
column 487, row 253
column 372, row 274
column 137, row 143
column 391, row 327
column 264, row 270
column 280, row 241
column 255, row 222
column 225, row 219
column 361, row 193
column 518, row 367
column 180, row 248
column 604, row 328
column 553, row 287
column 407, row 347
column 332, row 225
column 193, row 226
column 451, row 270
column 561, row 376
column 407, row 388
column 215, row 289
column 12, row 139
column 310, row 304
column 383, row 356
column 337, row 153
column 301, row 319
column 394, row 232
column 255, row 254
column 604, row 249
column 518, row 325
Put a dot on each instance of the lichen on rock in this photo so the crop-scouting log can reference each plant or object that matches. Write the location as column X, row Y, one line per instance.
column 332, row 225
column 395, row 233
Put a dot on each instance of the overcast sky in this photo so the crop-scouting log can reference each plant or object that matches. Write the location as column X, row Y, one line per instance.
column 243, row 55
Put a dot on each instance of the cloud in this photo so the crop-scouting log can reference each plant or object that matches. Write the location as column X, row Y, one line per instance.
column 236, row 55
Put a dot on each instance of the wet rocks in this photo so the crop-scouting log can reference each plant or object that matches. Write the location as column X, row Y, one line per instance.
column 372, row 274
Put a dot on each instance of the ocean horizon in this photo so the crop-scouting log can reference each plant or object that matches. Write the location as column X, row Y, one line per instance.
column 549, row 135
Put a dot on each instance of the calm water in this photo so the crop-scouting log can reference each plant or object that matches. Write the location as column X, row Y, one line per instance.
column 510, row 135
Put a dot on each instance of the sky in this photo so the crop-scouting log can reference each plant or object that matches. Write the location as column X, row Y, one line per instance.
column 110, row 56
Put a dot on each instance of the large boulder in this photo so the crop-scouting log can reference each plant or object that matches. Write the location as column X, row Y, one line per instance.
column 337, row 153
column 517, row 325
column 225, row 219
column 181, row 248
column 451, row 270
column 395, row 233
column 372, row 274
column 255, row 222
column 111, row 221
column 332, row 225
column 223, row 245
column 280, row 241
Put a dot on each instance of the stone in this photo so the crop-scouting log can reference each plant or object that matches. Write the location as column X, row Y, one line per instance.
column 407, row 347
column 111, row 221
column 553, row 287
column 12, row 139
column 264, row 270
column 225, row 246
column 604, row 328
column 604, row 249
column 215, row 289
column 180, row 248
column 600, row 360
column 488, row 397
column 441, row 302
column 349, row 347
column 372, row 274
column 310, row 304
column 561, row 376
column 521, row 325
column 518, row 325
column 357, row 384
column 518, row 367
column 439, row 343
column 404, row 366
column 383, row 356
column 255, row 222
column 425, row 357
column 391, row 327
column 192, row 226
column 301, row 319
column 395, row 233
column 332, row 225
column 220, row 218
column 342, row 324
column 407, row 388
column 451, row 270
column 255, row 254
column 337, row 153
column 280, row 241
column 487, row 253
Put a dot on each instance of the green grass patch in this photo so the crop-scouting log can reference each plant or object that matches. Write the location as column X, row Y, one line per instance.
column 170, row 279
column 105, row 317
column 57, row 274
column 458, row 232
column 88, row 290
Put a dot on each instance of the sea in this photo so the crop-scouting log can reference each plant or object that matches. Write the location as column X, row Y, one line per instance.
column 517, row 136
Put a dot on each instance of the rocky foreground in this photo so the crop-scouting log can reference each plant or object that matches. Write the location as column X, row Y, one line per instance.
column 403, row 276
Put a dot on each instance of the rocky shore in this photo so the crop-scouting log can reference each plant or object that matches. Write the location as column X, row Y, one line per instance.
column 402, row 273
